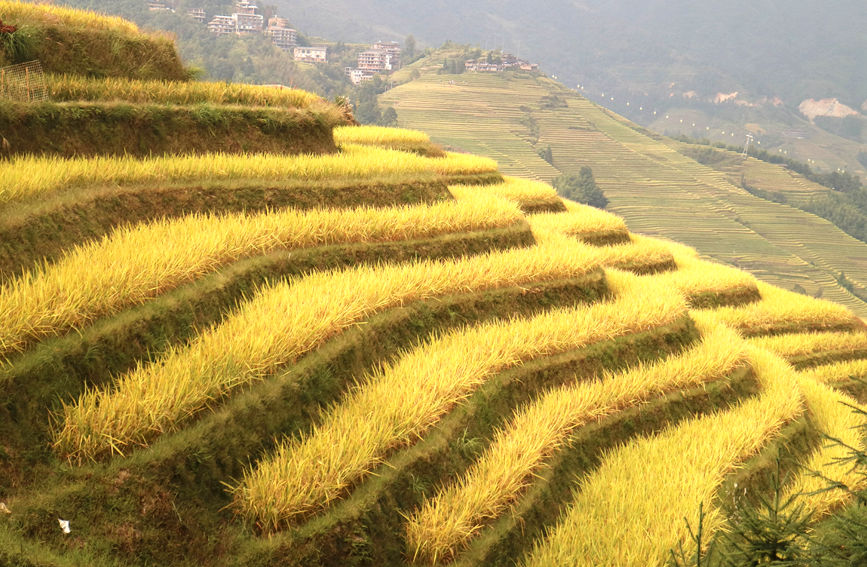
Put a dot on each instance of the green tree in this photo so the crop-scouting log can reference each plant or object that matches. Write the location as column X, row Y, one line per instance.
column 389, row 117
column 546, row 154
column 409, row 49
column 581, row 188
column 773, row 532
column 767, row 532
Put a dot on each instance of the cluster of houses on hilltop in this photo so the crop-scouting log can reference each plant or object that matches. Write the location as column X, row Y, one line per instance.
column 245, row 20
column 506, row 62
column 382, row 57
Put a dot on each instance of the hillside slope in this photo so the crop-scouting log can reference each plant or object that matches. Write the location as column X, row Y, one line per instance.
column 637, row 45
column 237, row 394
column 656, row 189
column 388, row 354
column 675, row 57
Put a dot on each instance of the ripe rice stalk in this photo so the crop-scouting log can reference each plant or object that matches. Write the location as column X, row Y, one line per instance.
column 833, row 414
column 78, row 88
column 126, row 268
column 29, row 176
column 792, row 345
column 578, row 220
column 278, row 325
column 528, row 194
column 392, row 138
column 305, row 474
column 779, row 307
column 378, row 136
column 445, row 523
column 695, row 276
column 640, row 251
column 13, row 11
column 837, row 372
column 630, row 511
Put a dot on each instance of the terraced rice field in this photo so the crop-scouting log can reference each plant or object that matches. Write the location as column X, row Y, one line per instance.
column 245, row 402
column 389, row 356
column 757, row 173
column 656, row 189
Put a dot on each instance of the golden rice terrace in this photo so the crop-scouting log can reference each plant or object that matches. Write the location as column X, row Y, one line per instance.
column 384, row 354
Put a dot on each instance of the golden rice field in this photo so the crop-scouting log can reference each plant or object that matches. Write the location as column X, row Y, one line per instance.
column 124, row 268
column 306, row 474
column 579, row 221
column 800, row 344
column 281, row 324
column 695, row 278
column 530, row 195
column 630, row 512
column 447, row 521
column 413, row 410
column 833, row 414
column 378, row 136
column 391, row 138
column 781, row 310
column 31, row 176
column 837, row 372
column 78, row 88
column 58, row 15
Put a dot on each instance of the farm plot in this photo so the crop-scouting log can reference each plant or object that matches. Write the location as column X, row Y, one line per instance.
column 658, row 191
column 493, row 405
column 124, row 269
column 252, row 343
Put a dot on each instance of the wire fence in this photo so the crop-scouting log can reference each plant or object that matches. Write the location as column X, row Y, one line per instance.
column 24, row 82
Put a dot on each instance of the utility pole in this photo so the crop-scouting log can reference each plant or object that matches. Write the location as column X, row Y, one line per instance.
column 747, row 145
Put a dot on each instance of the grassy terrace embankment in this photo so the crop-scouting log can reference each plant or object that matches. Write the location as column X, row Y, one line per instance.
column 114, row 116
column 86, row 43
column 72, row 129
column 389, row 355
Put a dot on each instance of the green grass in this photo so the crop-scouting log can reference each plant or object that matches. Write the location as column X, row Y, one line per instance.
column 78, row 129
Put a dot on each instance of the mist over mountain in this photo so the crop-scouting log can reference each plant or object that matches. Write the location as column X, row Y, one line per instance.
column 793, row 50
